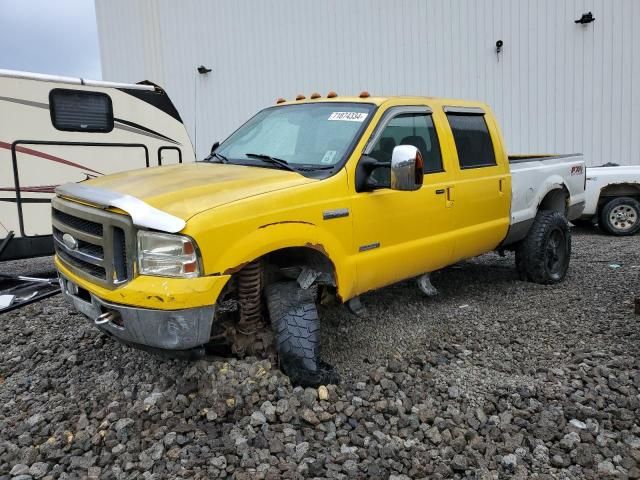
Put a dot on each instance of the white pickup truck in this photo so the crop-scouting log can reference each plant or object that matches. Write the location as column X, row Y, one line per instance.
column 612, row 199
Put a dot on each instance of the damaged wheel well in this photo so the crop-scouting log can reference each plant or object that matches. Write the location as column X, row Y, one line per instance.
column 242, row 316
column 619, row 190
column 290, row 262
column 556, row 200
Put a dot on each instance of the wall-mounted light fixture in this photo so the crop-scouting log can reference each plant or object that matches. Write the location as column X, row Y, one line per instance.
column 499, row 45
column 586, row 18
column 202, row 70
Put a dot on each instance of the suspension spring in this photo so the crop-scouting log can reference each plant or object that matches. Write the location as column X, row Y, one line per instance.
column 249, row 289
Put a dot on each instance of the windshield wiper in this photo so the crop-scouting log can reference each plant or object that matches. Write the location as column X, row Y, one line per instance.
column 310, row 167
column 222, row 158
column 272, row 160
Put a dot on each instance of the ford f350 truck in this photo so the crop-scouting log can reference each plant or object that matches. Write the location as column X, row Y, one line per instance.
column 310, row 199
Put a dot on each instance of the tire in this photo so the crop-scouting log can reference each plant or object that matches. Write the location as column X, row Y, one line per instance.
column 620, row 216
column 543, row 256
column 294, row 317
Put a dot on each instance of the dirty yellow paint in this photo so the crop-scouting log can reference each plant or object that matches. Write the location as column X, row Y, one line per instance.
column 237, row 214
column 156, row 292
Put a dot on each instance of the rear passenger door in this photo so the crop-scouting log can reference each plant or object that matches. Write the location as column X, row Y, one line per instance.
column 482, row 194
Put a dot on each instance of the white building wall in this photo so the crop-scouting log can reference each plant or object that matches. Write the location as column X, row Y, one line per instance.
column 557, row 86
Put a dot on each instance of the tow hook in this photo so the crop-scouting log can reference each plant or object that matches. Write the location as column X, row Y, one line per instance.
column 110, row 317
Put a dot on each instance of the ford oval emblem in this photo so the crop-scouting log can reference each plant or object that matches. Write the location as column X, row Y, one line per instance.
column 69, row 241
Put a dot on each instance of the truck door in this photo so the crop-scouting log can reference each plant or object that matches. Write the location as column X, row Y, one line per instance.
column 399, row 235
column 482, row 194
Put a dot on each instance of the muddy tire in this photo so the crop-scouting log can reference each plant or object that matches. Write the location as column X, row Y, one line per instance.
column 543, row 256
column 620, row 216
column 295, row 320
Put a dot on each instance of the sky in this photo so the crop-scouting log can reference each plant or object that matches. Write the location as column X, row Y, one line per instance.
column 58, row 37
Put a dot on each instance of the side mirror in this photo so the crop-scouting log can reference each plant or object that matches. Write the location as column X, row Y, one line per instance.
column 214, row 146
column 407, row 168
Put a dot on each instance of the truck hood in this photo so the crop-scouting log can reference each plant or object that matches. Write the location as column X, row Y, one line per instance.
column 186, row 190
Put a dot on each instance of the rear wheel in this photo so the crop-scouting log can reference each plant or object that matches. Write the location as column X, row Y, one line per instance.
column 543, row 256
column 620, row 216
column 294, row 317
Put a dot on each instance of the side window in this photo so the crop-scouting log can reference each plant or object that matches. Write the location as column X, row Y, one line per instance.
column 473, row 141
column 415, row 129
column 80, row 111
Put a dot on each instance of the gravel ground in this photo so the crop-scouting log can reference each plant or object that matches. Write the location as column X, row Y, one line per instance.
column 494, row 378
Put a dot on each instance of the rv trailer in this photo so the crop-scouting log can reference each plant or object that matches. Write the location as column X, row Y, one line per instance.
column 55, row 130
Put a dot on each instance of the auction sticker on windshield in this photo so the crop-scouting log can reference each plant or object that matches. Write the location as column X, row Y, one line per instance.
column 348, row 116
column 329, row 157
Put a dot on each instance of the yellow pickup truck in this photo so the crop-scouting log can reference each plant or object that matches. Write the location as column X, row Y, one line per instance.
column 312, row 198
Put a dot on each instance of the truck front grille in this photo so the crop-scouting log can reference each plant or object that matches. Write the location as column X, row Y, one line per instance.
column 78, row 223
column 93, row 270
column 94, row 243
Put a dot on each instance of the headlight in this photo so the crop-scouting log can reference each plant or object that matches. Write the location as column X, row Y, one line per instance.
column 167, row 255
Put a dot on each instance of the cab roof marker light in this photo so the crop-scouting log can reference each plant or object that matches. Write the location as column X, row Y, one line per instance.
column 314, row 95
column 364, row 94
column 332, row 94
column 281, row 100
column 300, row 97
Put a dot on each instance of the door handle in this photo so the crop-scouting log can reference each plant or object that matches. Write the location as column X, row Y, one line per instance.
column 501, row 183
column 450, row 197
column 440, row 191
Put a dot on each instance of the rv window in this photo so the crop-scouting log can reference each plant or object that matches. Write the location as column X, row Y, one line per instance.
column 80, row 111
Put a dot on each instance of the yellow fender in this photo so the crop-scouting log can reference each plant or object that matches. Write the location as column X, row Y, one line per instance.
column 289, row 234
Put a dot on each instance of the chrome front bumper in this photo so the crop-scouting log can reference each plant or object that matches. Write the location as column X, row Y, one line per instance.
column 157, row 329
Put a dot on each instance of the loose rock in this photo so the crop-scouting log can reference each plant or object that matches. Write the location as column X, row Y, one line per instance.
column 526, row 381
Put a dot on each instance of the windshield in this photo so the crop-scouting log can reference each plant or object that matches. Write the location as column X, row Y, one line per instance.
column 307, row 136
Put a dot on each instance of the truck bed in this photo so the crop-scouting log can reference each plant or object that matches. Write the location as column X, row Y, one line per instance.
column 533, row 177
